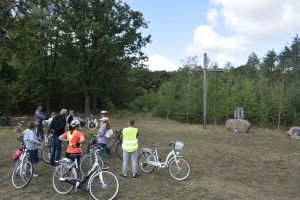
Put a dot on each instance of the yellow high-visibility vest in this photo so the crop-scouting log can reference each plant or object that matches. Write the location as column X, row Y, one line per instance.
column 130, row 142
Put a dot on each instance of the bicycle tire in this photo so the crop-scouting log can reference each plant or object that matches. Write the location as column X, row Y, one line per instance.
column 119, row 150
column 46, row 153
column 24, row 172
column 106, row 190
column 143, row 164
column 174, row 170
column 61, row 171
column 87, row 162
column 92, row 125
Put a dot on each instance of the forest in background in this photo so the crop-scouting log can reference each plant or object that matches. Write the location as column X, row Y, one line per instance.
column 87, row 56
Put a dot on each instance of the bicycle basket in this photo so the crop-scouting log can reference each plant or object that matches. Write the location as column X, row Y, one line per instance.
column 178, row 146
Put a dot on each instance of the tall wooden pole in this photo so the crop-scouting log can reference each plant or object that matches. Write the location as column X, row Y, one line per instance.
column 204, row 91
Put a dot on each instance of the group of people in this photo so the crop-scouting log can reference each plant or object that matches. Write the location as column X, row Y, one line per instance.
column 67, row 128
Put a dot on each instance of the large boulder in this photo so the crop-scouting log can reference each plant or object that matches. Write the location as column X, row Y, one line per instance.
column 238, row 125
column 292, row 129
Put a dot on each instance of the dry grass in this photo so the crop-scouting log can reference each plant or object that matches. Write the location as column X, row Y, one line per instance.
column 263, row 164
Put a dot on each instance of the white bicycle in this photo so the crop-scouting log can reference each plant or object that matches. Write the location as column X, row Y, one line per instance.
column 101, row 184
column 23, row 171
column 91, row 122
column 179, row 168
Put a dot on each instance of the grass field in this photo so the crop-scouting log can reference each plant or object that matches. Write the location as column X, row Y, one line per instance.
column 264, row 164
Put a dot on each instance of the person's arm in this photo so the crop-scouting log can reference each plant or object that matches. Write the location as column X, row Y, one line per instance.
column 63, row 137
column 102, row 131
column 33, row 138
column 82, row 138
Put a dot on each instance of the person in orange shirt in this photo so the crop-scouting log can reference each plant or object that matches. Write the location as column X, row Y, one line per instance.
column 74, row 137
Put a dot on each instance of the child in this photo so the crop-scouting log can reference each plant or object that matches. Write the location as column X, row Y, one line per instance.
column 31, row 141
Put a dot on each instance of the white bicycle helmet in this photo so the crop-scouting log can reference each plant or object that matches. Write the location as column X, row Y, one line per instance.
column 74, row 123
column 104, row 112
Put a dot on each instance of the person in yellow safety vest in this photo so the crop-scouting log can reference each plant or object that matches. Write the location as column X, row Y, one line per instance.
column 130, row 149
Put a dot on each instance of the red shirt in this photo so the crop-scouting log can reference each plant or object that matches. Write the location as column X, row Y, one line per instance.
column 73, row 139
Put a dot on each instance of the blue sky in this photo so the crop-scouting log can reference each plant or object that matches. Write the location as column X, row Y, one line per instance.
column 227, row 30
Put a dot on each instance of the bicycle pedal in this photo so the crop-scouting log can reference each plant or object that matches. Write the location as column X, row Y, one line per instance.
column 62, row 179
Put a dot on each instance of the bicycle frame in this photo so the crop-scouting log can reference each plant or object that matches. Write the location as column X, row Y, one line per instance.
column 172, row 155
column 95, row 168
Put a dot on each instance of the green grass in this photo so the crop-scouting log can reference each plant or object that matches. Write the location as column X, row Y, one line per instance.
column 263, row 164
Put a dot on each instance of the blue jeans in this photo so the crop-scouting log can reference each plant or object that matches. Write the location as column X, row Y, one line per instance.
column 103, row 151
column 33, row 156
column 55, row 150
column 134, row 161
column 39, row 130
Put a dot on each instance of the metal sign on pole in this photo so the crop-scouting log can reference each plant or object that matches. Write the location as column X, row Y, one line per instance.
column 204, row 90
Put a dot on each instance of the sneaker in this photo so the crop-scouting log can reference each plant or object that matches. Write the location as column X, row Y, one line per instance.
column 135, row 176
column 35, row 175
column 123, row 176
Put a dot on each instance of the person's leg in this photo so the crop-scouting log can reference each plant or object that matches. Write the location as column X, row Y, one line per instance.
column 40, row 131
column 134, row 162
column 36, row 156
column 31, row 156
column 58, row 150
column 53, row 150
column 125, row 162
column 104, row 154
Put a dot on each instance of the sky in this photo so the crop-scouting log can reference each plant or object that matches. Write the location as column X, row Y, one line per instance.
column 227, row 30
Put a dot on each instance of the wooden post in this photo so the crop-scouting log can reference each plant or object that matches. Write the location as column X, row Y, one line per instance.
column 204, row 91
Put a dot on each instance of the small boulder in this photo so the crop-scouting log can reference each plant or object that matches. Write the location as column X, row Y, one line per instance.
column 292, row 129
column 238, row 125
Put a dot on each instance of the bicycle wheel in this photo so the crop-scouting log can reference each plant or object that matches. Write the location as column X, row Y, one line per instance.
column 119, row 150
column 87, row 162
column 46, row 153
column 103, row 185
column 62, row 171
column 179, row 169
column 92, row 125
column 22, row 174
column 144, row 157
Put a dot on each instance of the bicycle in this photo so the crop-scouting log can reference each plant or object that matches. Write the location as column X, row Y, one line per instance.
column 4, row 120
column 23, row 171
column 91, row 122
column 179, row 168
column 116, row 140
column 46, row 148
column 18, row 127
column 89, row 157
column 101, row 184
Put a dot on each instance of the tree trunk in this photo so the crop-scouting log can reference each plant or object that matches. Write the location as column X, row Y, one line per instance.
column 87, row 110
column 279, row 119
column 94, row 102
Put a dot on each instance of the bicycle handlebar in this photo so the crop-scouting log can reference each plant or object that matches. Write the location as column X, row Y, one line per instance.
column 172, row 143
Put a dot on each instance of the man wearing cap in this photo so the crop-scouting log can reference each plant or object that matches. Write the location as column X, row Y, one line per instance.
column 57, row 127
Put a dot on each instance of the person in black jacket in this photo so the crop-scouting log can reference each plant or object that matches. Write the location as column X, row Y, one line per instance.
column 58, row 127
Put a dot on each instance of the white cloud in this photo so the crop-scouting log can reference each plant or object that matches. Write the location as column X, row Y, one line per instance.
column 260, row 19
column 159, row 63
column 251, row 23
column 212, row 16
column 218, row 47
